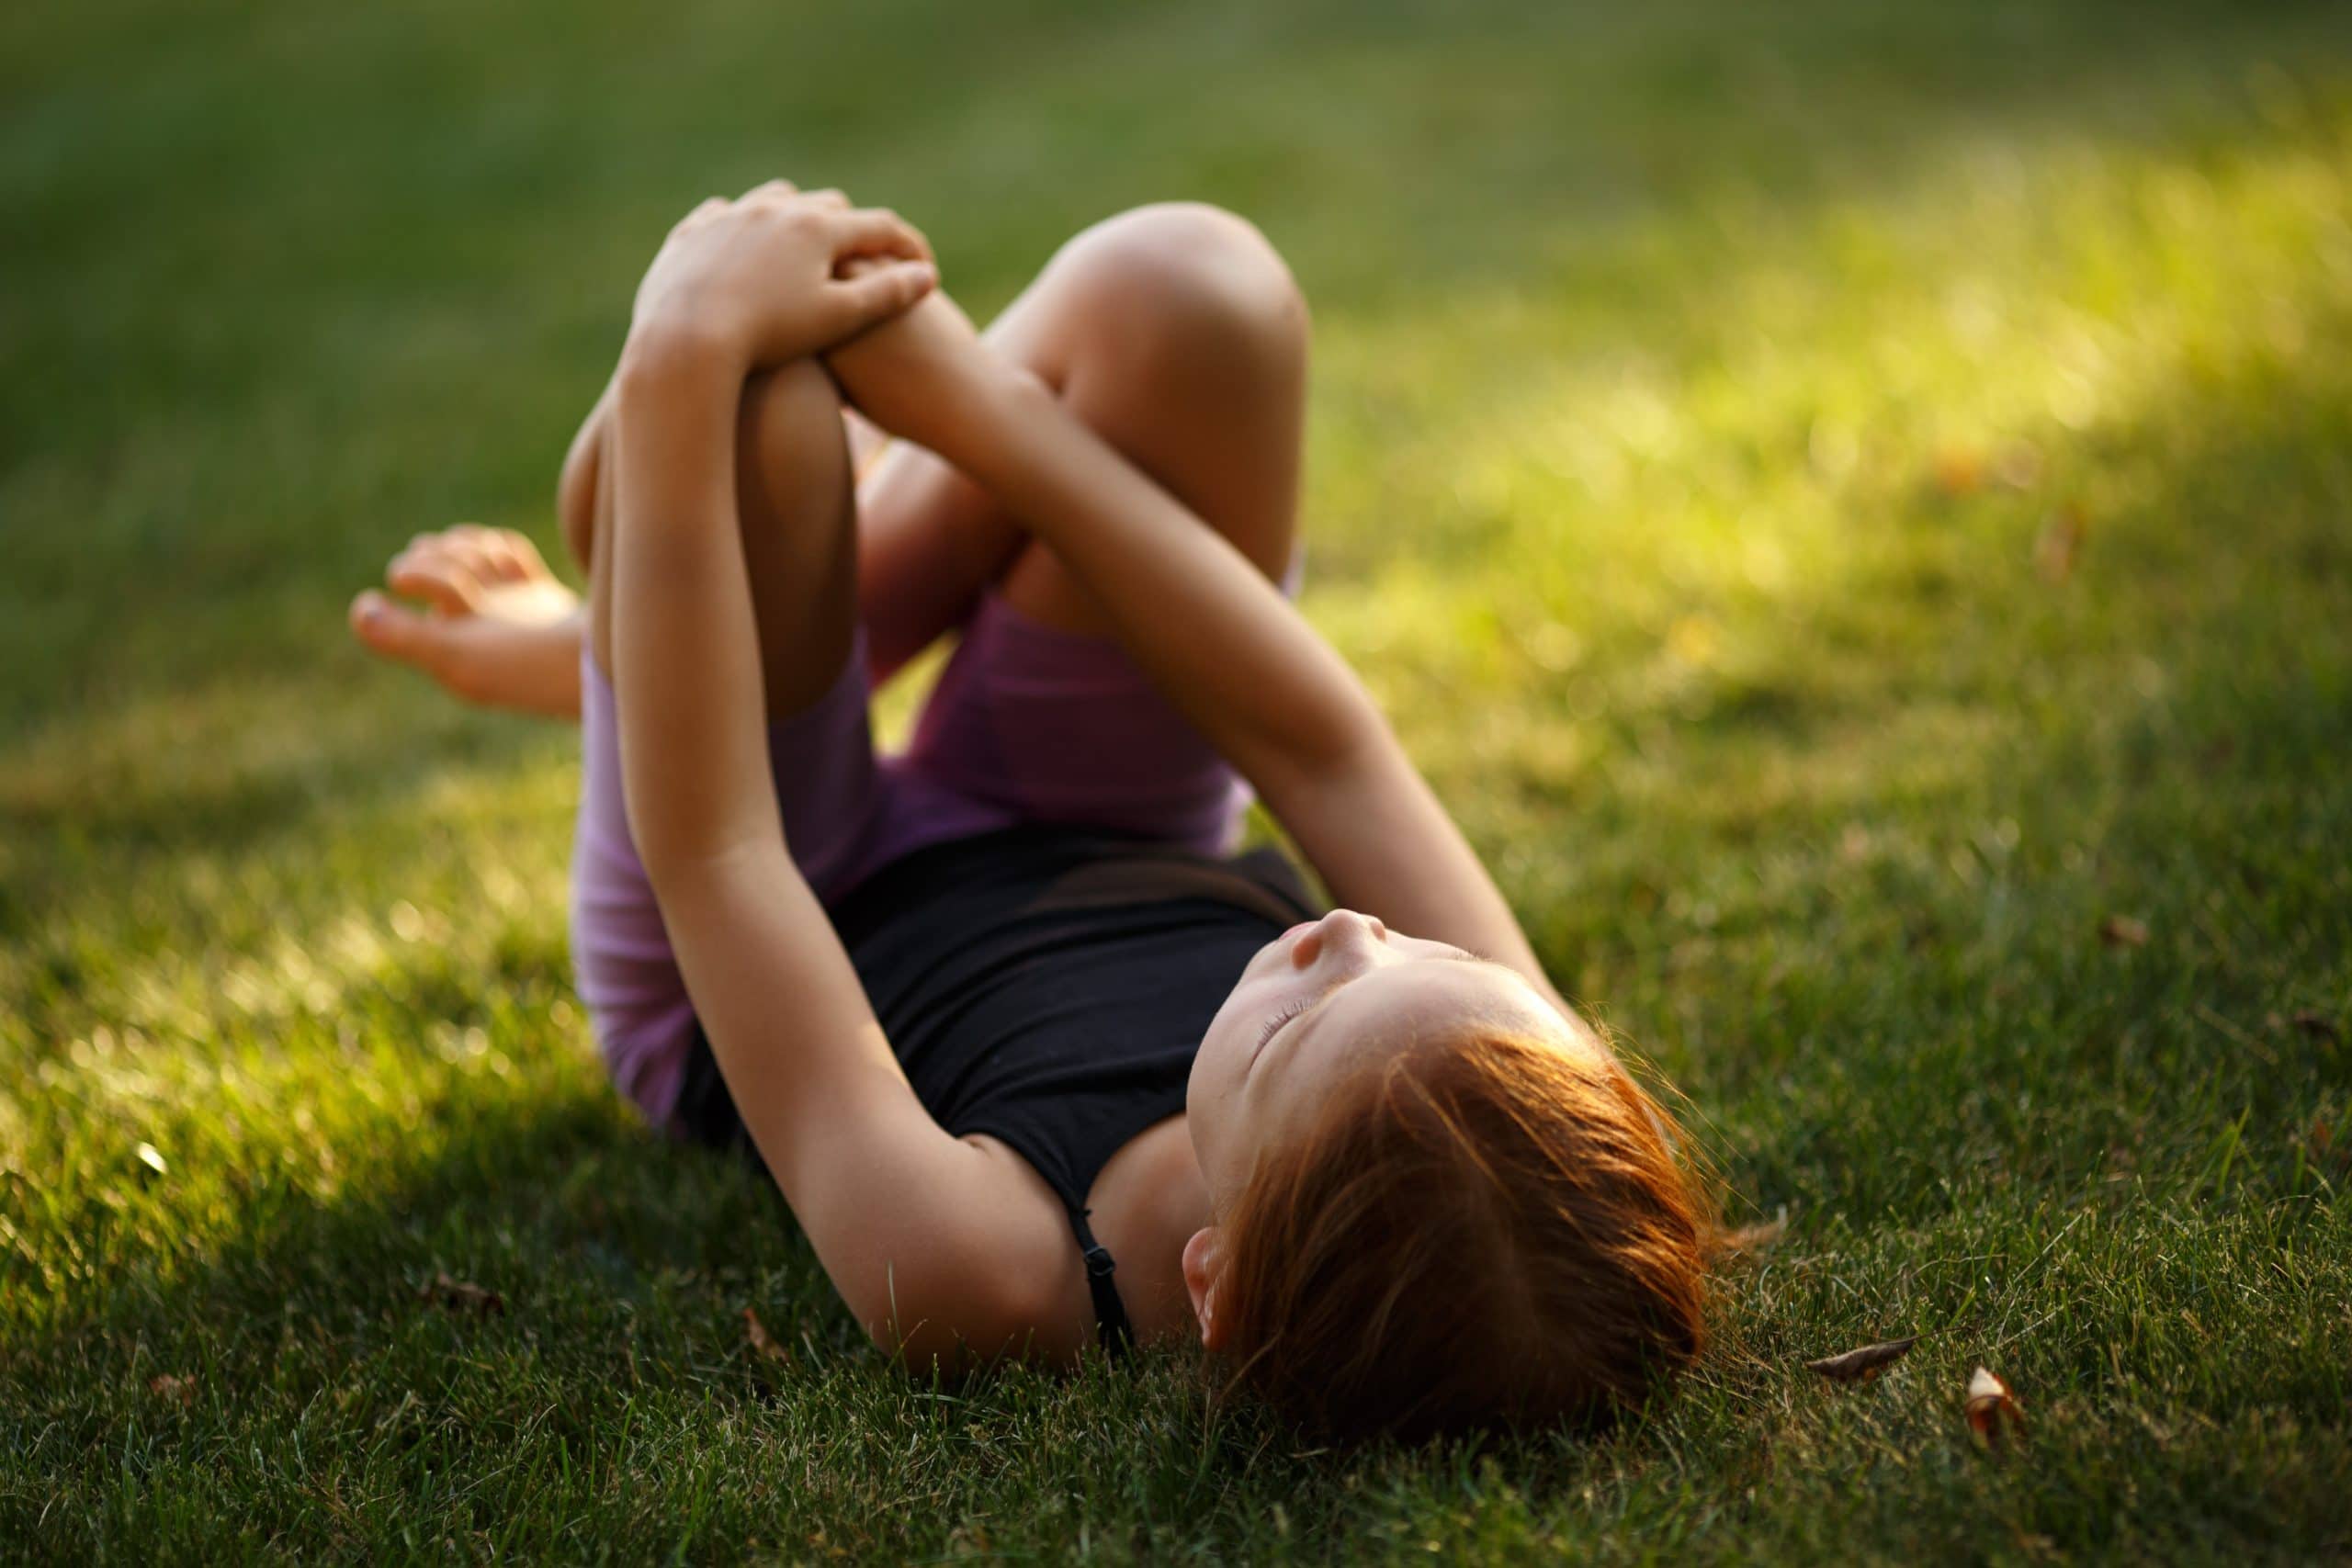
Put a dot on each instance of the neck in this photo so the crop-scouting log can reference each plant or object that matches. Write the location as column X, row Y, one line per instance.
column 1145, row 1206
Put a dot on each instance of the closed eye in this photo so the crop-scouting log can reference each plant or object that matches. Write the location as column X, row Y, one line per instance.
column 1274, row 1024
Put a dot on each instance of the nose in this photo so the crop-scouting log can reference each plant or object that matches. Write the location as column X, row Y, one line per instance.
column 1337, row 932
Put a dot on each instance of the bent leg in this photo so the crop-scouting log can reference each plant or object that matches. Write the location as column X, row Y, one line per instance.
column 1176, row 332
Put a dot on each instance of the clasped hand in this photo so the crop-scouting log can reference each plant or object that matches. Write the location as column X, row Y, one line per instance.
column 784, row 274
column 780, row 273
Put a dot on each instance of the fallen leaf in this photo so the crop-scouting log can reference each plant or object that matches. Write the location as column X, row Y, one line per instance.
column 462, row 1295
column 2061, row 542
column 1959, row 471
column 2317, row 1025
column 174, row 1386
column 1993, row 1414
column 763, row 1344
column 1861, row 1365
column 1756, row 1238
column 2122, row 931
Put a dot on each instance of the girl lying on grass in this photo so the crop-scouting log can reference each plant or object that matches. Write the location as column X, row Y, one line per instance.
column 1034, row 1062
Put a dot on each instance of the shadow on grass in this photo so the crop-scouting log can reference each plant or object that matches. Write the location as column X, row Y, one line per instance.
column 555, row 1200
column 336, row 1390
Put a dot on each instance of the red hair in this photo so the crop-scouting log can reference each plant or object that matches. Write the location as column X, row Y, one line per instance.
column 1496, row 1234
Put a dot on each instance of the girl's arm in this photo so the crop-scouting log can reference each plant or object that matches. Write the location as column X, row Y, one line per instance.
column 938, row 1245
column 1215, row 637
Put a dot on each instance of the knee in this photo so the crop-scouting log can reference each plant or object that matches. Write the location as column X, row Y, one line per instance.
column 791, row 454
column 1184, row 285
column 790, row 413
column 788, row 427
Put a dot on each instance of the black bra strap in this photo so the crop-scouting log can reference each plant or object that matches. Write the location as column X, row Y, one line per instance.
column 1111, row 1323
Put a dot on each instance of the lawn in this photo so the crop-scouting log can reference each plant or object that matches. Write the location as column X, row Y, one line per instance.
column 1852, row 505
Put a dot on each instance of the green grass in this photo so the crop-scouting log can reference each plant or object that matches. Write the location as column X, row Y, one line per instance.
column 1704, row 391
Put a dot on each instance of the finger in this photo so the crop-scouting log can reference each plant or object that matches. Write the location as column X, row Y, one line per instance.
column 445, row 583
column 523, row 550
column 491, row 553
column 830, row 198
column 465, row 546
column 875, row 230
column 423, row 548
column 396, row 633
column 702, row 208
column 771, row 190
column 880, row 293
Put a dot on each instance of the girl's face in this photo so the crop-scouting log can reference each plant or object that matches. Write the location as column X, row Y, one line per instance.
column 1322, row 1001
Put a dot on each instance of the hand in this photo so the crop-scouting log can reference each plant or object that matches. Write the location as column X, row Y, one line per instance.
column 917, row 374
column 768, row 278
column 499, row 630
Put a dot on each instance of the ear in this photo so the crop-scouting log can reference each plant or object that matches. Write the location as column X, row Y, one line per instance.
column 1204, row 1269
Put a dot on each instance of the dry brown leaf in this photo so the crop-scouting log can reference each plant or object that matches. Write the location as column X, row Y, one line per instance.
column 1959, row 471
column 177, row 1387
column 1994, row 1413
column 763, row 1344
column 1756, row 1237
column 2317, row 1025
column 2060, row 543
column 1862, row 1365
column 2122, row 931
column 462, row 1295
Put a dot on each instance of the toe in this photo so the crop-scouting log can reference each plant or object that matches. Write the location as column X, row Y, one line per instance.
column 442, row 580
column 389, row 629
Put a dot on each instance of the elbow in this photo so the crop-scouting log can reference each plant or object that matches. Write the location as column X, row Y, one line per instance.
column 1352, row 740
column 691, row 868
column 958, row 1315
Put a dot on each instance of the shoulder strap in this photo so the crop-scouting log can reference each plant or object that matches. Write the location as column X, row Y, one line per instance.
column 1111, row 1323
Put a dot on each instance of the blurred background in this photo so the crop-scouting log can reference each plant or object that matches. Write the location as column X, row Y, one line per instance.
column 1846, row 499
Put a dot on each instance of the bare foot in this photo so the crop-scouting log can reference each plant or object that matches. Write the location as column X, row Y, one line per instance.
column 498, row 629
